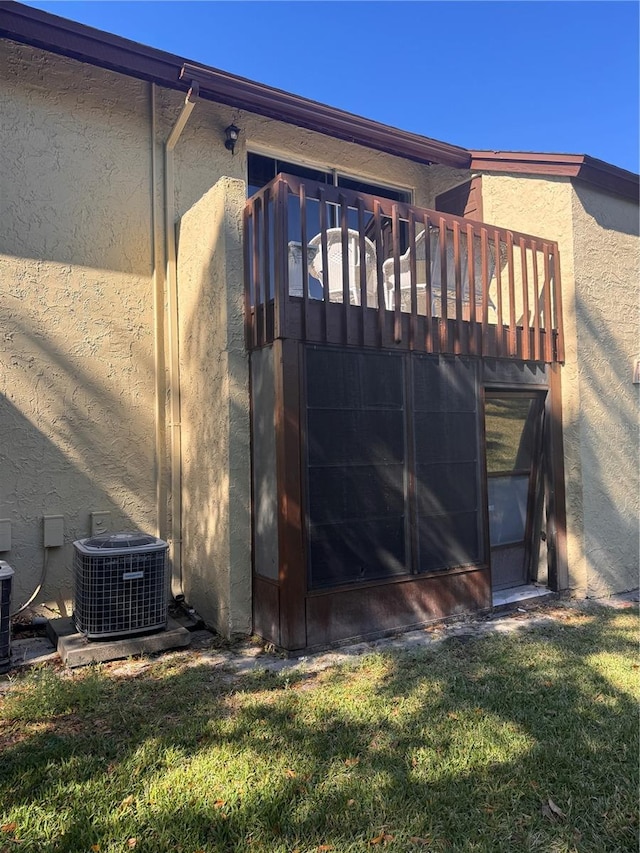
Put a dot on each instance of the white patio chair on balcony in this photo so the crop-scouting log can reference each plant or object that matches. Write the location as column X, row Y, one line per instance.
column 295, row 267
column 436, row 276
column 354, row 264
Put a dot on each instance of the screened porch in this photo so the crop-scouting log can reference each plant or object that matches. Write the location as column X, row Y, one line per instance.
column 377, row 333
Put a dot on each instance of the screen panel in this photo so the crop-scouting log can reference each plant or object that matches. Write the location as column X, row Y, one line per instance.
column 356, row 466
column 447, row 463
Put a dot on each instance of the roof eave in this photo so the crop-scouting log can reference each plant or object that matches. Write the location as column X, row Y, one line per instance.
column 86, row 44
column 579, row 167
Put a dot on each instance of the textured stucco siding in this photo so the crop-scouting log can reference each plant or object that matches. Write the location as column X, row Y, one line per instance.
column 216, row 517
column 78, row 405
column 76, row 323
column 201, row 154
column 597, row 238
column 607, row 277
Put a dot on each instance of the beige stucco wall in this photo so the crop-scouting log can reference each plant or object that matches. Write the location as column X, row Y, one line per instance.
column 599, row 263
column 80, row 401
column 201, row 154
column 216, row 484
column 607, row 292
column 76, row 324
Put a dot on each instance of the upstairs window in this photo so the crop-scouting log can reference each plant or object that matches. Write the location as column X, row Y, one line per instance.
column 263, row 169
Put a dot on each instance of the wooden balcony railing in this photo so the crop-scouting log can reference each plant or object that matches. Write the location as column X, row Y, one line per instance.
column 327, row 265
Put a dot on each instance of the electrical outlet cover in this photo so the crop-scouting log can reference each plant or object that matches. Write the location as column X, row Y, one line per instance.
column 53, row 531
column 100, row 522
column 5, row 534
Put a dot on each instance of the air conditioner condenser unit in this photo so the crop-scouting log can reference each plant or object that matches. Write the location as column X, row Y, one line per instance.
column 120, row 585
column 6, row 579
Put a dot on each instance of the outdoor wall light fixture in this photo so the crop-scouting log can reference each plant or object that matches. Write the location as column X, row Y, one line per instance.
column 231, row 135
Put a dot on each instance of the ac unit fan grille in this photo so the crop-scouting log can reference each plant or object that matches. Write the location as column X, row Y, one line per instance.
column 118, row 594
column 6, row 575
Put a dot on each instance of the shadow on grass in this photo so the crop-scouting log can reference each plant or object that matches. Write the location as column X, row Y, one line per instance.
column 455, row 747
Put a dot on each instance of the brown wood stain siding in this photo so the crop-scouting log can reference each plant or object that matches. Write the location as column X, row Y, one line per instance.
column 292, row 575
column 343, row 614
column 464, row 200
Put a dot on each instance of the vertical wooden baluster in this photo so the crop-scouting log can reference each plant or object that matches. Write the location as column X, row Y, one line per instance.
column 548, row 320
column 413, row 275
column 443, row 342
column 526, row 339
column 484, row 260
column 498, row 269
column 281, row 248
column 513, row 332
column 346, row 283
column 397, row 302
column 364, row 272
column 457, row 269
column 325, row 262
column 557, row 302
column 428, row 326
column 379, row 274
column 536, row 302
column 471, row 273
column 304, row 239
column 255, row 240
column 266, row 272
column 247, row 235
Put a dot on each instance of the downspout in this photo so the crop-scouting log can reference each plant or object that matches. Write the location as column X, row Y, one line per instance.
column 159, row 320
column 175, row 540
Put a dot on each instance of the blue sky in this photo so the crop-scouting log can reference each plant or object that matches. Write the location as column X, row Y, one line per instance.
column 520, row 76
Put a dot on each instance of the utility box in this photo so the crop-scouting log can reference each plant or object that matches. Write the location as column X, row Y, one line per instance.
column 6, row 580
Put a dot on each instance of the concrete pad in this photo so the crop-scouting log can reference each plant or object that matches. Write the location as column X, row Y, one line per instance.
column 514, row 595
column 31, row 651
column 76, row 650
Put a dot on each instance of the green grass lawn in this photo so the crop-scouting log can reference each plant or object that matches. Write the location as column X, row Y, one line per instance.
column 513, row 742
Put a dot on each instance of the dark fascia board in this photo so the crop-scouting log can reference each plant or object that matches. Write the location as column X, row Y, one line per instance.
column 312, row 115
column 86, row 44
column 579, row 167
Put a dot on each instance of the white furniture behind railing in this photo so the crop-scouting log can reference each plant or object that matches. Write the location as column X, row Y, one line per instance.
column 436, row 276
column 295, row 267
column 354, row 262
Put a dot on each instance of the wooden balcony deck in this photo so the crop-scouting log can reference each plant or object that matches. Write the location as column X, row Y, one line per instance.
column 324, row 264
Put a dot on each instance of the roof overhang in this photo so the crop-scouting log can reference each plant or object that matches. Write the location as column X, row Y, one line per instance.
column 580, row 167
column 67, row 38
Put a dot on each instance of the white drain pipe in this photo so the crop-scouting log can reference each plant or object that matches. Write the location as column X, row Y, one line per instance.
column 158, row 347
column 175, row 540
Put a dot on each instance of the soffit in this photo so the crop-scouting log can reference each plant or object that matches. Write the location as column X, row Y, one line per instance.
column 86, row 44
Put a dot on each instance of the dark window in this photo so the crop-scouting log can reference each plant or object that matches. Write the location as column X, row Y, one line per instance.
column 448, row 500
column 374, row 189
column 358, row 499
column 356, row 493
column 263, row 169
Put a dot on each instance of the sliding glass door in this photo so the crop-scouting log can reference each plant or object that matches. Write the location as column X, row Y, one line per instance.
column 513, row 431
